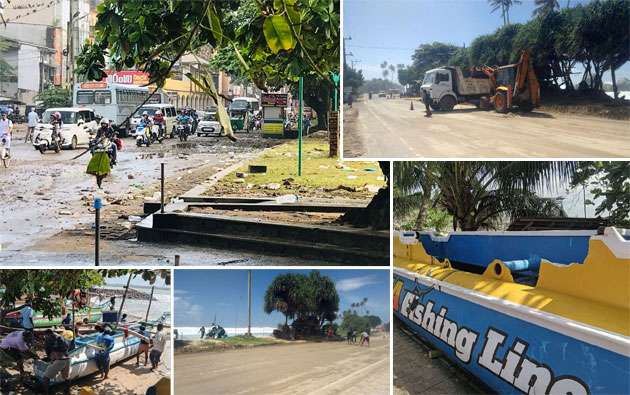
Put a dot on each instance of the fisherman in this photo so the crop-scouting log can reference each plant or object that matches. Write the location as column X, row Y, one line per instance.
column 203, row 331
column 365, row 339
column 57, row 351
column 124, row 318
column 159, row 342
column 176, row 334
column 426, row 99
column 26, row 316
column 67, row 321
column 14, row 348
column 105, row 344
column 144, row 346
column 112, row 302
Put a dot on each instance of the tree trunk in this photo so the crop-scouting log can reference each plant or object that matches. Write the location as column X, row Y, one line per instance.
column 376, row 214
column 614, row 82
column 317, row 96
column 422, row 215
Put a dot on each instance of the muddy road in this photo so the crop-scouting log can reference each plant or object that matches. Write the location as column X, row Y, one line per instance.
column 387, row 128
column 46, row 215
column 306, row 368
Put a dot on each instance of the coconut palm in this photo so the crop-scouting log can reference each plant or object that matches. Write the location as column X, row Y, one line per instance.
column 483, row 194
column 545, row 6
column 504, row 6
column 392, row 69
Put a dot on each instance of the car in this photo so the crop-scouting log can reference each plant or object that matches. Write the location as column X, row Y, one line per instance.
column 209, row 125
column 168, row 112
column 78, row 124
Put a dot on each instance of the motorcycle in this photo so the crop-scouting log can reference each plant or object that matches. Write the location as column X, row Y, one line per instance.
column 142, row 136
column 183, row 130
column 258, row 122
column 48, row 138
column 156, row 134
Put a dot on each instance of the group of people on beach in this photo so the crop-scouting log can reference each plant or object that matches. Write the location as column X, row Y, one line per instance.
column 351, row 337
column 60, row 346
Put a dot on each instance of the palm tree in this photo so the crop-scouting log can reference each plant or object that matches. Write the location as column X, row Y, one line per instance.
column 504, row 6
column 385, row 73
column 482, row 194
column 413, row 189
column 385, row 70
column 545, row 6
column 392, row 70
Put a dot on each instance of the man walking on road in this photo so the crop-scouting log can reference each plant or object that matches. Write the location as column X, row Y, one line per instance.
column 32, row 122
column 6, row 128
column 202, row 330
column 426, row 100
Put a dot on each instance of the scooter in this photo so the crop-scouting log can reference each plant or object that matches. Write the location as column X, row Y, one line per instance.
column 156, row 134
column 142, row 136
column 48, row 138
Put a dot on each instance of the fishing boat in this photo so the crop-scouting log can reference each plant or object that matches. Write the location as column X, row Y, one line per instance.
column 567, row 332
column 93, row 314
column 83, row 357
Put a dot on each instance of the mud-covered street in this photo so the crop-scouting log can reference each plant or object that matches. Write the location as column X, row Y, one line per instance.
column 47, row 215
column 388, row 128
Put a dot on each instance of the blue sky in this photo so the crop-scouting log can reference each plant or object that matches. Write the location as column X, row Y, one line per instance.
column 392, row 29
column 200, row 294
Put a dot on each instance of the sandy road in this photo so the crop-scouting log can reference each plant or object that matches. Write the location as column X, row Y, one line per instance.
column 306, row 368
column 388, row 128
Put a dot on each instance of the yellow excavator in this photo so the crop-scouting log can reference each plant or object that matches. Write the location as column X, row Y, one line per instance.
column 514, row 85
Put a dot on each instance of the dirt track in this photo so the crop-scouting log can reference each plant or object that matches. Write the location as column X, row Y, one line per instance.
column 387, row 128
column 306, row 368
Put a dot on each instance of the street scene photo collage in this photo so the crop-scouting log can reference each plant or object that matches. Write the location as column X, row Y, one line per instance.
column 358, row 197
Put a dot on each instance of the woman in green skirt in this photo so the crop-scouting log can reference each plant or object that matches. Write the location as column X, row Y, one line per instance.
column 100, row 165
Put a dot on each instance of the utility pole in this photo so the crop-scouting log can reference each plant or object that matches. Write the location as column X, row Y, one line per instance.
column 345, row 53
column 249, row 302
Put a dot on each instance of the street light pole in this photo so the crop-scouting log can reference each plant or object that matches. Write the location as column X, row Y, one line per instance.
column 249, row 302
column 300, row 96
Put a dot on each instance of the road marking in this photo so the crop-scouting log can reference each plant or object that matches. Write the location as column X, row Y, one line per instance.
column 350, row 376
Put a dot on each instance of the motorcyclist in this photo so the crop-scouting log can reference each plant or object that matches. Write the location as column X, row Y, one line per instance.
column 145, row 122
column 105, row 131
column 184, row 118
column 56, row 122
column 158, row 119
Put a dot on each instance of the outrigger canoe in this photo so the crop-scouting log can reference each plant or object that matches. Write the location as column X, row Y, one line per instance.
column 568, row 333
column 83, row 361
column 93, row 315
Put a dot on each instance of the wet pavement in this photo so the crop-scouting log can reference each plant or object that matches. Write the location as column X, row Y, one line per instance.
column 416, row 373
column 45, row 198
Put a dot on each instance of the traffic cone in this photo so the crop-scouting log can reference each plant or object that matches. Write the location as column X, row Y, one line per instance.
column 411, row 107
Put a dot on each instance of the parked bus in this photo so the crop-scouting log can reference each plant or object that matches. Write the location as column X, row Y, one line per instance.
column 114, row 101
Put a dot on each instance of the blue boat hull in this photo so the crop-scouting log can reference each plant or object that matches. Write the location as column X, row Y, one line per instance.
column 480, row 249
column 503, row 350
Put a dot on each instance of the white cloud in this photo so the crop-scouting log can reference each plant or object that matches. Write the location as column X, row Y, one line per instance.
column 353, row 283
column 187, row 313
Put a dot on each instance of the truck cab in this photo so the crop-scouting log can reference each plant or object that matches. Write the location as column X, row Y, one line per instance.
column 448, row 86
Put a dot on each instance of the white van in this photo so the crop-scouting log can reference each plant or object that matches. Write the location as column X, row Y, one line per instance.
column 168, row 112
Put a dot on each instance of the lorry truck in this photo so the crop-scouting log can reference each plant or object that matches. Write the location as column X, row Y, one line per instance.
column 502, row 88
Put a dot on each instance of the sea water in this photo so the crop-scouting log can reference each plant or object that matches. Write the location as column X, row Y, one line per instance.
column 137, row 309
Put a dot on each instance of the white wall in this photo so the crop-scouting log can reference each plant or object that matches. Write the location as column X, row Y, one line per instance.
column 28, row 68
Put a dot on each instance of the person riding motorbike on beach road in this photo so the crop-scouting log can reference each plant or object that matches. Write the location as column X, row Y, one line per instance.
column 6, row 129
column 185, row 119
column 158, row 119
column 146, row 123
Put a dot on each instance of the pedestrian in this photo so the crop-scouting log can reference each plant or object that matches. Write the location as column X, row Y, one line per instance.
column 124, row 318
column 426, row 99
column 57, row 351
column 159, row 342
column 176, row 334
column 349, row 335
column 203, row 331
column 26, row 316
column 6, row 129
column 350, row 99
column 112, row 302
column 104, row 344
column 33, row 120
column 144, row 346
column 14, row 349
column 365, row 339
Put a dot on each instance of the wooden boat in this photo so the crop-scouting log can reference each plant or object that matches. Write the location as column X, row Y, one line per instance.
column 83, row 357
column 568, row 333
column 93, row 315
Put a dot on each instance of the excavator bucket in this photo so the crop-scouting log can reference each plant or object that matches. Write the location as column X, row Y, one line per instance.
column 526, row 79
